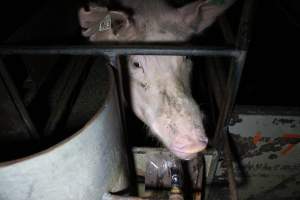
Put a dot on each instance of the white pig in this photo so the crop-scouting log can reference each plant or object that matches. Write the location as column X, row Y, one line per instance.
column 159, row 85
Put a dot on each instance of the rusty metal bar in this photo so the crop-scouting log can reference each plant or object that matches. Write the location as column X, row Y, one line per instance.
column 230, row 95
column 221, row 139
column 236, row 69
column 132, row 49
column 230, row 173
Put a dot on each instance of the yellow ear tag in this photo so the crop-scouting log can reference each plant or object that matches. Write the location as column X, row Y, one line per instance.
column 105, row 24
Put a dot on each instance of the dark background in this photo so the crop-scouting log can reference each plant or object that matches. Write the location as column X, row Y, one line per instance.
column 271, row 74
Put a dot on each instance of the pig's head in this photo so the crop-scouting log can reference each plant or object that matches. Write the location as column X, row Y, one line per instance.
column 161, row 97
column 159, row 85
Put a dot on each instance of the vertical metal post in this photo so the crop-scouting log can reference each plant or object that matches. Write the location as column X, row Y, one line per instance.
column 115, row 62
column 221, row 139
column 233, row 194
column 237, row 64
column 231, row 89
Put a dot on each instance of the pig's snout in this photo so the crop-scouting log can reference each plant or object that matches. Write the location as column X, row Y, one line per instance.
column 187, row 147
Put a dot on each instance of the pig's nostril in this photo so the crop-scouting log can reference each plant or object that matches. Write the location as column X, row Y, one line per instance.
column 204, row 140
column 86, row 7
column 189, row 142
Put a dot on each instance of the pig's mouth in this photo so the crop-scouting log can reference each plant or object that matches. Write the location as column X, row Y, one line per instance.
column 189, row 151
column 184, row 155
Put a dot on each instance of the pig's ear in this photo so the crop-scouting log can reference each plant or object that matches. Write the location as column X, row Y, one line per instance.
column 202, row 13
column 119, row 22
column 100, row 24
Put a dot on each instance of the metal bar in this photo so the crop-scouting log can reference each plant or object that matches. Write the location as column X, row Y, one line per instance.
column 75, row 69
column 132, row 49
column 230, row 95
column 115, row 62
column 221, row 139
column 244, row 34
column 226, row 30
column 235, row 73
column 230, row 173
column 216, row 81
column 18, row 102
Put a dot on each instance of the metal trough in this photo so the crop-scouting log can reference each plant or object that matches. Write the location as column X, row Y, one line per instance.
column 83, row 166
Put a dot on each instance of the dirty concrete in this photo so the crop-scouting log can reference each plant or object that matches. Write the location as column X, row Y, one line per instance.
column 266, row 152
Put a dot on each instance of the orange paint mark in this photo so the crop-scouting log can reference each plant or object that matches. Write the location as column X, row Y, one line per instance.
column 257, row 137
column 290, row 135
column 270, row 141
column 287, row 149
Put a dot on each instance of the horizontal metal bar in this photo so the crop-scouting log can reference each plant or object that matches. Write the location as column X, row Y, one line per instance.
column 122, row 50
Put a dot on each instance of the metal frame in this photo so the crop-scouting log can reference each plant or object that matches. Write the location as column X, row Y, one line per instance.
column 237, row 53
column 112, row 50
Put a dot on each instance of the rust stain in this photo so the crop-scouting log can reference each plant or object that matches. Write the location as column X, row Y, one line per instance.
column 290, row 135
column 287, row 149
column 257, row 137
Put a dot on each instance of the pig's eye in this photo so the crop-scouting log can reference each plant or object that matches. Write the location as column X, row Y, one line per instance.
column 137, row 65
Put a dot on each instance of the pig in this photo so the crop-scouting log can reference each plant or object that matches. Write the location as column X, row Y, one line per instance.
column 159, row 85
